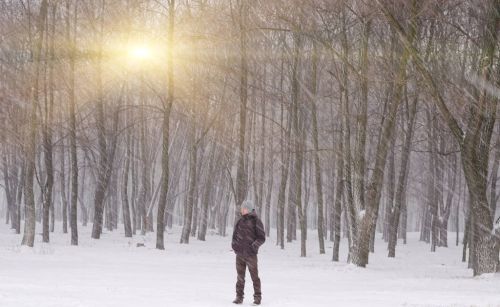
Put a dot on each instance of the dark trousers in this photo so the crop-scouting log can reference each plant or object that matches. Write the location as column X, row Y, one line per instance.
column 251, row 263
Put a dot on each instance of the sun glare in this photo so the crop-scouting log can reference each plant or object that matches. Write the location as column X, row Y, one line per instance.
column 140, row 52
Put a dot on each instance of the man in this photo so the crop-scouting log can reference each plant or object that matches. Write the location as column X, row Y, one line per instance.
column 248, row 236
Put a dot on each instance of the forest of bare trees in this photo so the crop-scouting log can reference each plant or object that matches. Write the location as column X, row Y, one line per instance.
column 349, row 118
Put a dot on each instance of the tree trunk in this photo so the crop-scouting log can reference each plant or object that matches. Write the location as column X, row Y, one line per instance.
column 317, row 167
column 389, row 199
column 403, row 176
column 190, row 201
column 285, row 132
column 103, row 165
column 296, row 187
column 29, row 226
column 359, row 164
column 205, row 201
column 337, row 209
column 160, row 222
column 241, row 174
column 124, row 188
column 47, row 134
column 368, row 219
column 474, row 143
column 145, row 193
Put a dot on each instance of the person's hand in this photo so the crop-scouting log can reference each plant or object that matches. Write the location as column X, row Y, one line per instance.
column 254, row 247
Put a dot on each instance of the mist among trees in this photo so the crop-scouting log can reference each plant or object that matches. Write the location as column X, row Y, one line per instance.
column 347, row 119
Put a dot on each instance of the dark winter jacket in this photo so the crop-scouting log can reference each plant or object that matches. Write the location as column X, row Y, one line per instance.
column 248, row 235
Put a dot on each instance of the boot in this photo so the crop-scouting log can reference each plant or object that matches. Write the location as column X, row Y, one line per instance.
column 257, row 300
column 238, row 300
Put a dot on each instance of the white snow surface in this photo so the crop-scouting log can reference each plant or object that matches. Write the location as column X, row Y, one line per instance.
column 113, row 272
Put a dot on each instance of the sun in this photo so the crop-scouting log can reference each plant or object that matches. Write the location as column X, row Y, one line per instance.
column 140, row 52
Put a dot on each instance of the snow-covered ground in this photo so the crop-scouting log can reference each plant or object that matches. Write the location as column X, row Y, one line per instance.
column 114, row 272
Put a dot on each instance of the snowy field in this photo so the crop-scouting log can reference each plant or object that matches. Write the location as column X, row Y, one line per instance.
column 114, row 272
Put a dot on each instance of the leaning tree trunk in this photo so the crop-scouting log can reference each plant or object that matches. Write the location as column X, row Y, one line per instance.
column 475, row 142
column 494, row 178
column 368, row 220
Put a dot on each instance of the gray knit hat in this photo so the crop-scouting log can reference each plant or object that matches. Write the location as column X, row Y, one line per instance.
column 247, row 204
